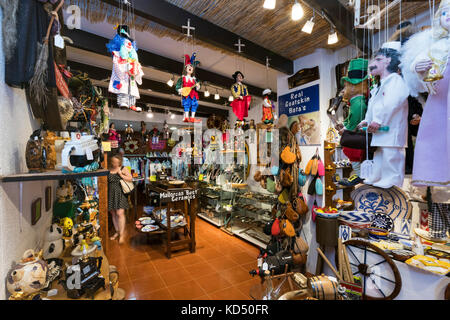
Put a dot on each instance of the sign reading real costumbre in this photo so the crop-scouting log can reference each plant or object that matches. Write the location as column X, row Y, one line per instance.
column 301, row 101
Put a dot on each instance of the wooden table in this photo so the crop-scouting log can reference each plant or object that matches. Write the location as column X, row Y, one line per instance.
column 168, row 198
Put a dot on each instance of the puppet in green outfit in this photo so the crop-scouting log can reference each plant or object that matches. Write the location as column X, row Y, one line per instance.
column 355, row 92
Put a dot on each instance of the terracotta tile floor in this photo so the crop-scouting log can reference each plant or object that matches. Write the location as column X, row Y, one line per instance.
column 218, row 270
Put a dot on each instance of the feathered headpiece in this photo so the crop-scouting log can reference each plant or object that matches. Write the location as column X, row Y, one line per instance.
column 191, row 60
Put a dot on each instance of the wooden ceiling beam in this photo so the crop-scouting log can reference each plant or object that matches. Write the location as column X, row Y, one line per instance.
column 173, row 17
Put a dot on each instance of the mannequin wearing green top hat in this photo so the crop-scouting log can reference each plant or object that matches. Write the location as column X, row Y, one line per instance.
column 355, row 93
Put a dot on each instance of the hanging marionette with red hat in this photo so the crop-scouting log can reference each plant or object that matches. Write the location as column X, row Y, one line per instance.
column 188, row 86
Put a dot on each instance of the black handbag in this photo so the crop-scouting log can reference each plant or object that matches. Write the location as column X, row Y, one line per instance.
column 356, row 140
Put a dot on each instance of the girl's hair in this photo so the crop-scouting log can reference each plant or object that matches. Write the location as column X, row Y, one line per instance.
column 118, row 157
column 439, row 31
column 111, row 124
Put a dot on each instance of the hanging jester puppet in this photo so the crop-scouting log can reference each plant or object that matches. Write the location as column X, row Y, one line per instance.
column 187, row 86
column 127, row 71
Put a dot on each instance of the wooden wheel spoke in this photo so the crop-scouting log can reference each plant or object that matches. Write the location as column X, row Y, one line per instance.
column 378, row 263
column 351, row 251
column 376, row 286
column 383, row 278
column 356, row 272
column 353, row 264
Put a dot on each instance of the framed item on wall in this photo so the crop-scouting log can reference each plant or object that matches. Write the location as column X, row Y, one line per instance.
column 36, row 211
column 48, row 198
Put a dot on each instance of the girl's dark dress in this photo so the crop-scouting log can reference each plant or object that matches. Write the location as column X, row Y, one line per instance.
column 116, row 198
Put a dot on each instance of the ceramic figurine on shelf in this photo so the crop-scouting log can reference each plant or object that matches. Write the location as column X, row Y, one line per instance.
column 67, row 226
column 242, row 99
column 268, row 107
column 49, row 145
column 33, row 152
column 187, row 86
column 127, row 71
column 355, row 94
column 26, row 278
column 432, row 148
column 388, row 107
column 129, row 131
column 143, row 131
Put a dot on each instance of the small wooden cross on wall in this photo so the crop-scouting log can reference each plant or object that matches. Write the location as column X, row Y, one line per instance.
column 239, row 45
column 188, row 28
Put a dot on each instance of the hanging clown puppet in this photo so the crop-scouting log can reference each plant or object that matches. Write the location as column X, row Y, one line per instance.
column 127, row 71
column 188, row 86
column 387, row 108
column 268, row 107
column 242, row 99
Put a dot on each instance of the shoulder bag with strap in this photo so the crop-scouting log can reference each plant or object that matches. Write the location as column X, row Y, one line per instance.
column 127, row 187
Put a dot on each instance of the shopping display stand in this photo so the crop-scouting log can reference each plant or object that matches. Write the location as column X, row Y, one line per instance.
column 176, row 200
column 330, row 170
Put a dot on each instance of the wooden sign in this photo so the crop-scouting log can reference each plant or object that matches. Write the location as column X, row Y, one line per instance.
column 179, row 195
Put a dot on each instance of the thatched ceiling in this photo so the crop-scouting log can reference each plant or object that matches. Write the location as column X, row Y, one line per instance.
column 274, row 29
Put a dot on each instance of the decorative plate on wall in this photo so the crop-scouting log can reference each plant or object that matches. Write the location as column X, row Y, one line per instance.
column 382, row 221
column 393, row 201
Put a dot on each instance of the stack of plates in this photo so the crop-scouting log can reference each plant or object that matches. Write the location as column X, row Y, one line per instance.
column 356, row 219
column 377, row 233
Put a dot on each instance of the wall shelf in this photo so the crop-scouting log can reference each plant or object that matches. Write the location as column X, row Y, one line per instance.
column 52, row 175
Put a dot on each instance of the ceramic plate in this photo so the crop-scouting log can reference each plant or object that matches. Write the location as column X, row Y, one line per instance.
column 382, row 221
column 356, row 216
column 149, row 228
column 146, row 220
column 393, row 201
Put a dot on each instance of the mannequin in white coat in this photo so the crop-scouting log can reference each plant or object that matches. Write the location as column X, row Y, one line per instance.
column 388, row 106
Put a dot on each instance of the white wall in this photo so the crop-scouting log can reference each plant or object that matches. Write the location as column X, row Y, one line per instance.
column 16, row 232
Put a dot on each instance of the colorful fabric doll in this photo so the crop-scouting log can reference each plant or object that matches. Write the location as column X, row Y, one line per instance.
column 355, row 93
column 432, row 150
column 268, row 107
column 188, row 86
column 388, row 106
column 127, row 71
column 242, row 99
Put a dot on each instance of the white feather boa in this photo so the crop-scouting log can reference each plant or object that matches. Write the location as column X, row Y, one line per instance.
column 417, row 46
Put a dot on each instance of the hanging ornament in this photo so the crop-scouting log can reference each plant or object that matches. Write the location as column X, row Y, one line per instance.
column 242, row 99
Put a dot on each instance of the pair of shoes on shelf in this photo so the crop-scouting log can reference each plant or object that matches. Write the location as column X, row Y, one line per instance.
column 350, row 182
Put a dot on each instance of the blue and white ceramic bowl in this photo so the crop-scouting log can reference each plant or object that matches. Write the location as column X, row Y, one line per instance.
column 382, row 221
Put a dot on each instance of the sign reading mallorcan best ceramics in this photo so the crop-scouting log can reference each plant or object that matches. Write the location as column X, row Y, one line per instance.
column 179, row 195
column 302, row 108
column 300, row 101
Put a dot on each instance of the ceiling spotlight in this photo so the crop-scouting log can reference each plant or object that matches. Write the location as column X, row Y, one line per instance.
column 309, row 25
column 332, row 37
column 171, row 82
column 230, row 98
column 269, row 4
column 172, row 116
column 173, row 128
column 297, row 11
column 216, row 96
column 207, row 94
